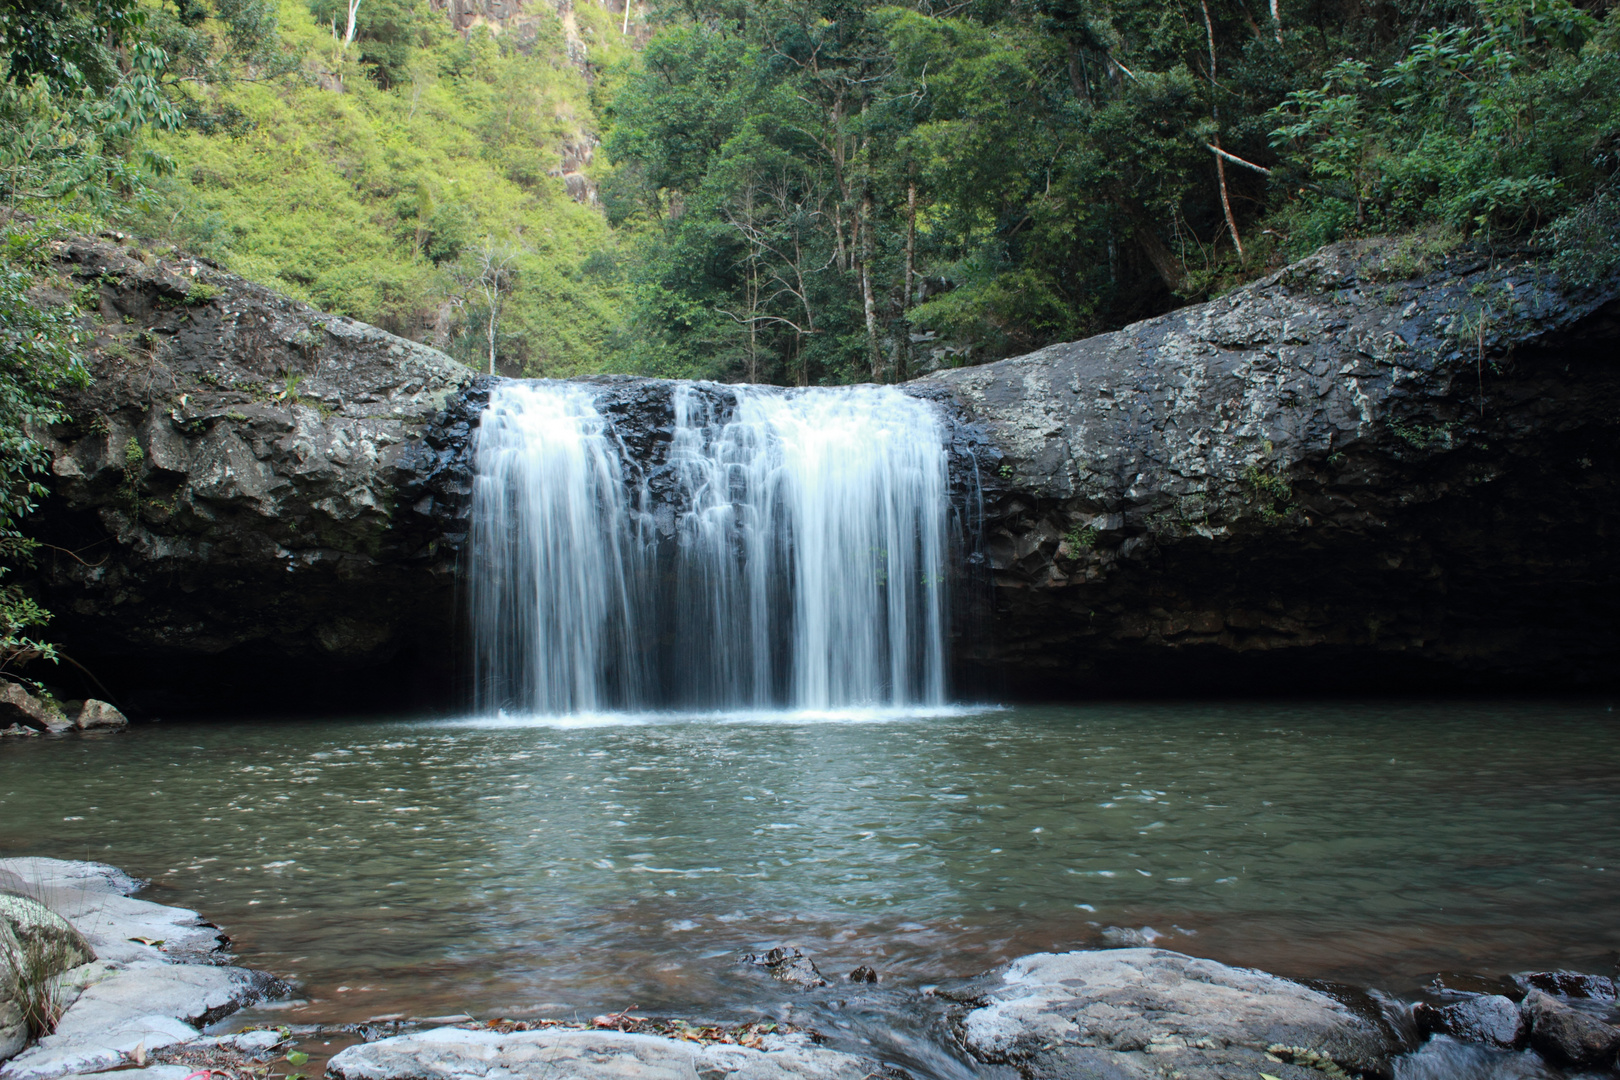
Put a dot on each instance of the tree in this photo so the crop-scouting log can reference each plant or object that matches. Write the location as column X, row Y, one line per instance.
column 492, row 274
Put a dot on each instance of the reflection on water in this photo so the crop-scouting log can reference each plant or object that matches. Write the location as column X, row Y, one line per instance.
column 521, row 866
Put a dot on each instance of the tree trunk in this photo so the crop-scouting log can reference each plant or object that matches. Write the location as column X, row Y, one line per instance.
column 492, row 317
column 348, row 34
column 864, row 225
column 902, row 353
column 1160, row 257
column 1215, row 113
column 753, row 319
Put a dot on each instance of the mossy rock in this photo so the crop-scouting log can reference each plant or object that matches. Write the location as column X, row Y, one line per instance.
column 36, row 945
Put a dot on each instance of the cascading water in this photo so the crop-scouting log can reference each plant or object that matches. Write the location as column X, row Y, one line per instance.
column 551, row 588
column 802, row 563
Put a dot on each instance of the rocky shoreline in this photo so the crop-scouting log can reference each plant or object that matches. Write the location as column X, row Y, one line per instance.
column 138, row 983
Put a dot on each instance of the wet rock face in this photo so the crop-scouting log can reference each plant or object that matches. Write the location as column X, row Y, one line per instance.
column 1489, row 1019
column 1332, row 479
column 228, row 498
column 1334, row 475
column 1569, row 1036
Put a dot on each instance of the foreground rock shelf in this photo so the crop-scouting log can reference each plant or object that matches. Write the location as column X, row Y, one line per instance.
column 453, row 1054
column 140, row 981
column 154, row 976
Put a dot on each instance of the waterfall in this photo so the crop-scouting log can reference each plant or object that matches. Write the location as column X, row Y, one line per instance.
column 553, row 615
column 792, row 553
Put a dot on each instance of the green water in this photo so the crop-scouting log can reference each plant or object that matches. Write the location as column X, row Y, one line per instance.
column 422, row 866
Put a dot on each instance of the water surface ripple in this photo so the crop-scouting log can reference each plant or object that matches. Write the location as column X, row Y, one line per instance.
column 524, row 867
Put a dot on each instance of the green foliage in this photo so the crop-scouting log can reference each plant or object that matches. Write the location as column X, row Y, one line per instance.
column 38, row 356
column 1051, row 169
column 134, row 459
column 65, row 42
column 1497, row 125
column 1081, row 539
column 361, row 182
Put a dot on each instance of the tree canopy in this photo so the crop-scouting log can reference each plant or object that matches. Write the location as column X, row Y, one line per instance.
column 849, row 189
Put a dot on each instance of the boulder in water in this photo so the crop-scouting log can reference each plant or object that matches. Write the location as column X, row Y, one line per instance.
column 1568, row 984
column 1567, row 1035
column 98, row 714
column 1489, row 1019
column 795, row 968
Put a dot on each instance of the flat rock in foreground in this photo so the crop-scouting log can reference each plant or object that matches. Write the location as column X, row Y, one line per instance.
column 1139, row 1013
column 156, row 978
column 563, row 1054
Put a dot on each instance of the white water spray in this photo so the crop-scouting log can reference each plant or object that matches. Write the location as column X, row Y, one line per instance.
column 553, row 617
column 805, row 564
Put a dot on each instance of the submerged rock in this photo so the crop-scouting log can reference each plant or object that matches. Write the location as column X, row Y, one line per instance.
column 455, row 1054
column 1131, row 1013
column 1489, row 1019
column 793, row 968
column 1444, row 1058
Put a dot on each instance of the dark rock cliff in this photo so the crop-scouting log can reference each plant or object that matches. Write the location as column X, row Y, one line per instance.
column 1336, row 478
column 245, row 508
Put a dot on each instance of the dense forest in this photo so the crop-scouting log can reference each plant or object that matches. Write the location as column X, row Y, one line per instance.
column 797, row 191
column 791, row 191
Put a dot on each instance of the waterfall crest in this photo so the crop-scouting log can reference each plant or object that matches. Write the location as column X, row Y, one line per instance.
column 792, row 552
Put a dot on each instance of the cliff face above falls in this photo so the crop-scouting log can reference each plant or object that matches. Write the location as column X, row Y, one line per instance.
column 240, row 517
column 1340, row 477
column 1337, row 477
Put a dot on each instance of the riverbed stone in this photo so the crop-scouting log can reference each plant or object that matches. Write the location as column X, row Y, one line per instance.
column 561, row 1054
column 1569, row 1036
column 791, row 967
column 151, row 1072
column 1489, row 1019
column 1138, row 1013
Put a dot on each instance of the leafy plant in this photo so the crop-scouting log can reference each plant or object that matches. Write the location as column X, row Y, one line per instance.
column 38, row 357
